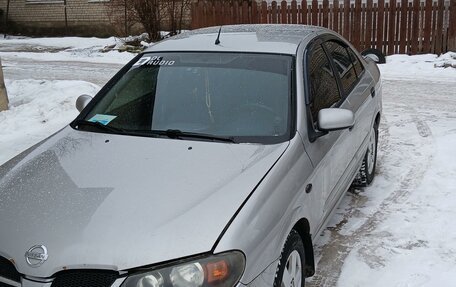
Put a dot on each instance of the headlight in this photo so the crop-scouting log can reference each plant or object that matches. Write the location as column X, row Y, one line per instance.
column 222, row 270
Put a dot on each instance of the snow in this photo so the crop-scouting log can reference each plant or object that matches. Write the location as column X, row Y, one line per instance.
column 397, row 232
column 63, row 49
column 75, row 42
column 420, row 66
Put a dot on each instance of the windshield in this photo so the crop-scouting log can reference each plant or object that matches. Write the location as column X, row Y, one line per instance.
column 242, row 96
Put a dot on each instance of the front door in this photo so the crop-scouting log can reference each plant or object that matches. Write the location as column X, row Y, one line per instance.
column 328, row 152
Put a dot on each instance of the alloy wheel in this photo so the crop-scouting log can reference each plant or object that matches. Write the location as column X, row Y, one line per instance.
column 292, row 275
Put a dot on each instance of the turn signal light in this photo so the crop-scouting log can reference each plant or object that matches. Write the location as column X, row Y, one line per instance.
column 217, row 271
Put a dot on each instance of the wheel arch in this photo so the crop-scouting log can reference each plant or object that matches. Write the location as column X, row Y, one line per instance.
column 303, row 228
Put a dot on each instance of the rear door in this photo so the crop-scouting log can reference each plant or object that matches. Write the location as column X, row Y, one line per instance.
column 357, row 87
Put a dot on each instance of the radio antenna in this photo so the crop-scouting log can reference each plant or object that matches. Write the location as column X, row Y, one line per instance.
column 217, row 41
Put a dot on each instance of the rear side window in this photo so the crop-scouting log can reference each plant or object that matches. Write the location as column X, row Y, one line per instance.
column 324, row 92
column 356, row 63
column 344, row 65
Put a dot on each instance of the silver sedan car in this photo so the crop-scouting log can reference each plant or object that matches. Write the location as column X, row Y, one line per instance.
column 213, row 158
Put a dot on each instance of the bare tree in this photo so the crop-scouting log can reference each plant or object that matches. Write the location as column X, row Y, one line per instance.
column 175, row 13
column 148, row 13
column 3, row 94
column 154, row 15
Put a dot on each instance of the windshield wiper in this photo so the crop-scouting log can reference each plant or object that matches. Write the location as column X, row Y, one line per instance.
column 171, row 133
column 97, row 125
column 178, row 134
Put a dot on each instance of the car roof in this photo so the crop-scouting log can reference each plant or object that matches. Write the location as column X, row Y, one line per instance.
column 262, row 38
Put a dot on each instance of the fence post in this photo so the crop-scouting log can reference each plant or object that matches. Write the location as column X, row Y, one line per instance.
column 346, row 12
column 415, row 27
column 452, row 27
column 325, row 21
column 274, row 13
column 227, row 13
column 380, row 24
column 255, row 19
column 283, row 12
column 336, row 17
column 304, row 12
column 357, row 30
column 440, row 19
column 294, row 12
column 427, row 26
column 264, row 12
column 391, row 27
column 194, row 16
column 314, row 12
column 245, row 13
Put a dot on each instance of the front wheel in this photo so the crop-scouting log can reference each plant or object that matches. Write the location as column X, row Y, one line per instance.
column 290, row 272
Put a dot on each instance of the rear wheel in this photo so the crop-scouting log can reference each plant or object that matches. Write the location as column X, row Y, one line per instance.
column 367, row 171
column 290, row 272
column 374, row 54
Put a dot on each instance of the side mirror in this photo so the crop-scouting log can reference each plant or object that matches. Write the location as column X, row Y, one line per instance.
column 82, row 102
column 335, row 119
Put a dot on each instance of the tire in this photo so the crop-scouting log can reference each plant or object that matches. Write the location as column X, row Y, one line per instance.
column 290, row 272
column 367, row 171
column 379, row 58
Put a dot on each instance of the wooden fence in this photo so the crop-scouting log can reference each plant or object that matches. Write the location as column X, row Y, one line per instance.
column 396, row 26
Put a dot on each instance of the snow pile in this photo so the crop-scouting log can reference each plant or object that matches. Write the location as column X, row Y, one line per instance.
column 62, row 42
column 447, row 60
column 427, row 66
column 63, row 49
column 37, row 109
column 134, row 44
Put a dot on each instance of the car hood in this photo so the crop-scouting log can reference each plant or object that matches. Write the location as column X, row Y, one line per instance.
column 118, row 202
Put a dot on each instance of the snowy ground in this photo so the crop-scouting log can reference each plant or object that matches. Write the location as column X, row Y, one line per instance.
column 398, row 232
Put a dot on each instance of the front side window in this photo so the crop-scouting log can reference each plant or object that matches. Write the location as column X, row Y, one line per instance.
column 236, row 95
column 324, row 92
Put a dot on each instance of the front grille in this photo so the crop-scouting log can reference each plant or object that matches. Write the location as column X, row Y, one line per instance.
column 71, row 278
column 84, row 278
column 7, row 270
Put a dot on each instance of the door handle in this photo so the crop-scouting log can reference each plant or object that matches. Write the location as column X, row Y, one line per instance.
column 309, row 188
column 373, row 92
